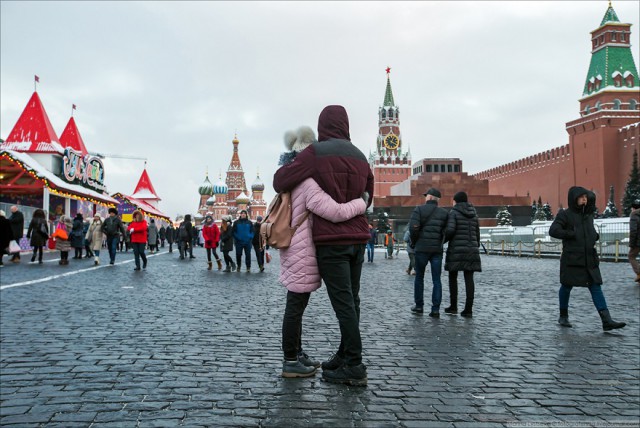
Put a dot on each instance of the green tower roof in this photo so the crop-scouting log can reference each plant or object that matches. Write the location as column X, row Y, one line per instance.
column 388, row 95
column 609, row 16
column 608, row 60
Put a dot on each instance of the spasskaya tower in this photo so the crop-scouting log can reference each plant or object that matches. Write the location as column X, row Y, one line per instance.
column 390, row 163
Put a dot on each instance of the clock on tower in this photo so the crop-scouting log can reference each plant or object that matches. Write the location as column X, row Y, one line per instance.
column 391, row 142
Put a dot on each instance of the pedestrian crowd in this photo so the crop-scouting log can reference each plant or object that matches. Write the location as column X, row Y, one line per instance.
column 330, row 183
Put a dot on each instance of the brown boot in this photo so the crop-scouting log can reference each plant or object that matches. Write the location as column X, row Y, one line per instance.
column 209, row 265
column 637, row 278
column 219, row 264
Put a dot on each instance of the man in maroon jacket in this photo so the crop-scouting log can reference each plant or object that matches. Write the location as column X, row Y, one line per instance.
column 342, row 171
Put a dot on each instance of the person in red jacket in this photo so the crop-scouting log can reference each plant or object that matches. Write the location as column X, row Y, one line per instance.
column 138, row 231
column 211, row 235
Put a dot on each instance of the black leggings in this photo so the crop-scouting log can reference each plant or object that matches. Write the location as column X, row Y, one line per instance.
column 469, row 286
column 228, row 261
column 78, row 252
column 64, row 255
column 215, row 254
column 37, row 251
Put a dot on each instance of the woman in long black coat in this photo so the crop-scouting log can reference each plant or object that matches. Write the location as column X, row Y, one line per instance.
column 463, row 234
column 38, row 233
column 579, row 264
column 77, row 235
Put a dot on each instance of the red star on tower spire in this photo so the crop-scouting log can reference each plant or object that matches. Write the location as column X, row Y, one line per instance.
column 388, row 70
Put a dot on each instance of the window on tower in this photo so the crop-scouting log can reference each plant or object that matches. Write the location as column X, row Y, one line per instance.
column 428, row 168
column 613, row 36
column 384, row 113
column 622, row 36
column 633, row 105
column 616, row 104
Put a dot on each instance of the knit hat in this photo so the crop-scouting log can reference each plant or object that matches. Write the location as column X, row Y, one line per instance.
column 635, row 204
column 113, row 210
column 259, row 218
column 227, row 218
column 245, row 212
column 460, row 197
column 433, row 192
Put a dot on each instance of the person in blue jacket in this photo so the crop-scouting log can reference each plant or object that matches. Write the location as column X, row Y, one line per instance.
column 243, row 238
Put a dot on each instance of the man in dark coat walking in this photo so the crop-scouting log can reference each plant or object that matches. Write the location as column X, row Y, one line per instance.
column 579, row 264
column 17, row 227
column 343, row 172
column 463, row 234
column 427, row 237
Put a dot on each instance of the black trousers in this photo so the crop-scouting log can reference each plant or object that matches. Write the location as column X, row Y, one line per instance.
column 469, row 286
column 292, row 324
column 340, row 268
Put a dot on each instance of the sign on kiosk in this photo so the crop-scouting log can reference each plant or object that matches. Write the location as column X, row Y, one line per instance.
column 87, row 171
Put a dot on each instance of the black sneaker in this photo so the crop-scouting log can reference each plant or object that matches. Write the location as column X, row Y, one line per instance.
column 451, row 310
column 417, row 309
column 466, row 314
column 308, row 361
column 348, row 375
column 434, row 314
column 333, row 363
column 292, row 369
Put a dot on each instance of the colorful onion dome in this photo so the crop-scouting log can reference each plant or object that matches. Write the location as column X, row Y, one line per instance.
column 220, row 188
column 206, row 188
column 242, row 199
column 257, row 185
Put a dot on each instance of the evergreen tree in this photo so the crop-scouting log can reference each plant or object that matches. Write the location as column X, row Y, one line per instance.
column 540, row 214
column 632, row 190
column 546, row 208
column 504, row 217
column 610, row 210
column 534, row 208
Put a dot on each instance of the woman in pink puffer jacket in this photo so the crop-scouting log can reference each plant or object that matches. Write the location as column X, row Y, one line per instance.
column 298, row 266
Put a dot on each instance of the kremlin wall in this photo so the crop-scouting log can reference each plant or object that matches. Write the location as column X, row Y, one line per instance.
column 598, row 154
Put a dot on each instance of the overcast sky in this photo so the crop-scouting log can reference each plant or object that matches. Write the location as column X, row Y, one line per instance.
column 487, row 82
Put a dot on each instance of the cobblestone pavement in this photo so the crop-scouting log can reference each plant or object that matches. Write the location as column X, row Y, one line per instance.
column 178, row 345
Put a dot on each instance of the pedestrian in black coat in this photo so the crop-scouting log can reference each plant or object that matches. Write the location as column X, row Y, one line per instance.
column 77, row 235
column 226, row 242
column 426, row 228
column 579, row 263
column 17, row 228
column 170, row 234
column 6, row 235
column 463, row 234
column 36, row 235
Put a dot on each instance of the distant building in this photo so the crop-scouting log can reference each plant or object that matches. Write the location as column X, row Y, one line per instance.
column 231, row 196
column 601, row 141
column 399, row 185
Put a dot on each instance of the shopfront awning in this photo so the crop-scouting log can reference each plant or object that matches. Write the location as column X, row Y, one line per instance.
column 146, row 208
column 21, row 173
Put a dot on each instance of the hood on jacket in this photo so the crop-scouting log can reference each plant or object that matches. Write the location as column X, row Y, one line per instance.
column 572, row 199
column 333, row 123
column 466, row 209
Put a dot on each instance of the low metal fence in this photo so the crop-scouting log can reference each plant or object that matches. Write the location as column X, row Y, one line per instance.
column 534, row 240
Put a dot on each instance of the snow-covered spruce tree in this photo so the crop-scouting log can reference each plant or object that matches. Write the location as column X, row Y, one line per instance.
column 548, row 215
column 540, row 214
column 610, row 210
column 632, row 190
column 534, row 208
column 504, row 217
